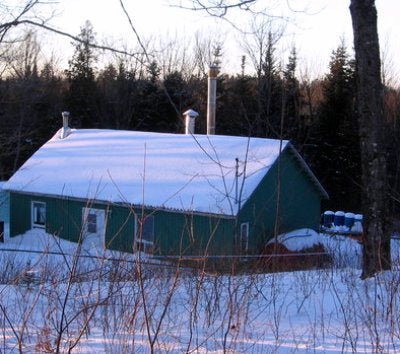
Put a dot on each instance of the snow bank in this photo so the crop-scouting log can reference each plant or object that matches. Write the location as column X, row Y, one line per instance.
column 48, row 255
column 300, row 239
column 344, row 250
column 37, row 240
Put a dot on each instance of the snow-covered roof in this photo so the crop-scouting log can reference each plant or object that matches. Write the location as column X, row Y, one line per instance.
column 174, row 171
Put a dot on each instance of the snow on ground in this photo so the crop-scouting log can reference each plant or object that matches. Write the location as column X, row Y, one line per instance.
column 38, row 252
column 319, row 311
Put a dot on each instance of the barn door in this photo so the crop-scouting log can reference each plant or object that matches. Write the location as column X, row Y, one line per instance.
column 94, row 226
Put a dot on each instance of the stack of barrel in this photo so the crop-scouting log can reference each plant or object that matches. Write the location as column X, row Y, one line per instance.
column 340, row 221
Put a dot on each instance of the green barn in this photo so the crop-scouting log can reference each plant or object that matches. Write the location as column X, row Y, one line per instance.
column 164, row 194
column 4, row 213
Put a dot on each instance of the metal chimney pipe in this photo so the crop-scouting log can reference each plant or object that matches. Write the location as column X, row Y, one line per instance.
column 65, row 116
column 65, row 129
column 190, row 121
column 211, row 99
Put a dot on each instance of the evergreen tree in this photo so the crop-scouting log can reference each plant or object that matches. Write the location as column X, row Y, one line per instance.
column 179, row 99
column 293, row 128
column 107, row 86
column 267, row 121
column 50, row 104
column 237, row 106
column 82, row 94
column 217, row 55
column 243, row 65
column 127, row 96
column 154, row 72
column 338, row 134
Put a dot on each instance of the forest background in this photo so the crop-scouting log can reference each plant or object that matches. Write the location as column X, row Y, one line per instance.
column 150, row 91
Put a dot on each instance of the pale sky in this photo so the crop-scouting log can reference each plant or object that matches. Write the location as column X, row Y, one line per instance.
column 315, row 28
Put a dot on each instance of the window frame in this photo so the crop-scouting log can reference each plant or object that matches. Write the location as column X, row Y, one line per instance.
column 36, row 224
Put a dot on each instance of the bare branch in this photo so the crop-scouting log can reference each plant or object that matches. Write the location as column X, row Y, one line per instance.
column 221, row 8
column 16, row 22
column 134, row 30
column 218, row 8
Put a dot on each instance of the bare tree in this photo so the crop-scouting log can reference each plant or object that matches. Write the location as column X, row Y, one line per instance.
column 376, row 254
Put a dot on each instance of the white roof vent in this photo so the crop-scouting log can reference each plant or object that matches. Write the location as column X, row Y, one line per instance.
column 190, row 121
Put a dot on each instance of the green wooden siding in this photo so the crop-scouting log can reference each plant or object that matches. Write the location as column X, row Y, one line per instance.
column 175, row 233
column 299, row 205
column 20, row 213
column 188, row 234
column 64, row 219
column 120, row 232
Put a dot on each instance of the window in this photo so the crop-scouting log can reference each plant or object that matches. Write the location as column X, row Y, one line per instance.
column 38, row 214
column 244, row 236
column 91, row 223
column 145, row 234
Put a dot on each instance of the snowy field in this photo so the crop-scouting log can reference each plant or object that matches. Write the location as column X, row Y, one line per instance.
column 104, row 302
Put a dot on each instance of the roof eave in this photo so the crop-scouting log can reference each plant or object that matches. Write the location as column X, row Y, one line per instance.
column 124, row 204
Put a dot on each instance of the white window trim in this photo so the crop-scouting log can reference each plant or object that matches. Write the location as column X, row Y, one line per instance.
column 247, row 228
column 101, row 232
column 33, row 224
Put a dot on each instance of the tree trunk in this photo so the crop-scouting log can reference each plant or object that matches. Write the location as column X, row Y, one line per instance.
column 376, row 253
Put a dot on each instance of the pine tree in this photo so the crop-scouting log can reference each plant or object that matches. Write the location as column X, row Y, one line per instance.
column 154, row 72
column 293, row 128
column 179, row 100
column 338, row 134
column 82, row 92
column 108, row 91
column 237, row 106
column 243, row 65
column 269, row 91
column 217, row 55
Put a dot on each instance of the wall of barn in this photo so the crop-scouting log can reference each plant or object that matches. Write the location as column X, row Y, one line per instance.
column 176, row 233
column 299, row 202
